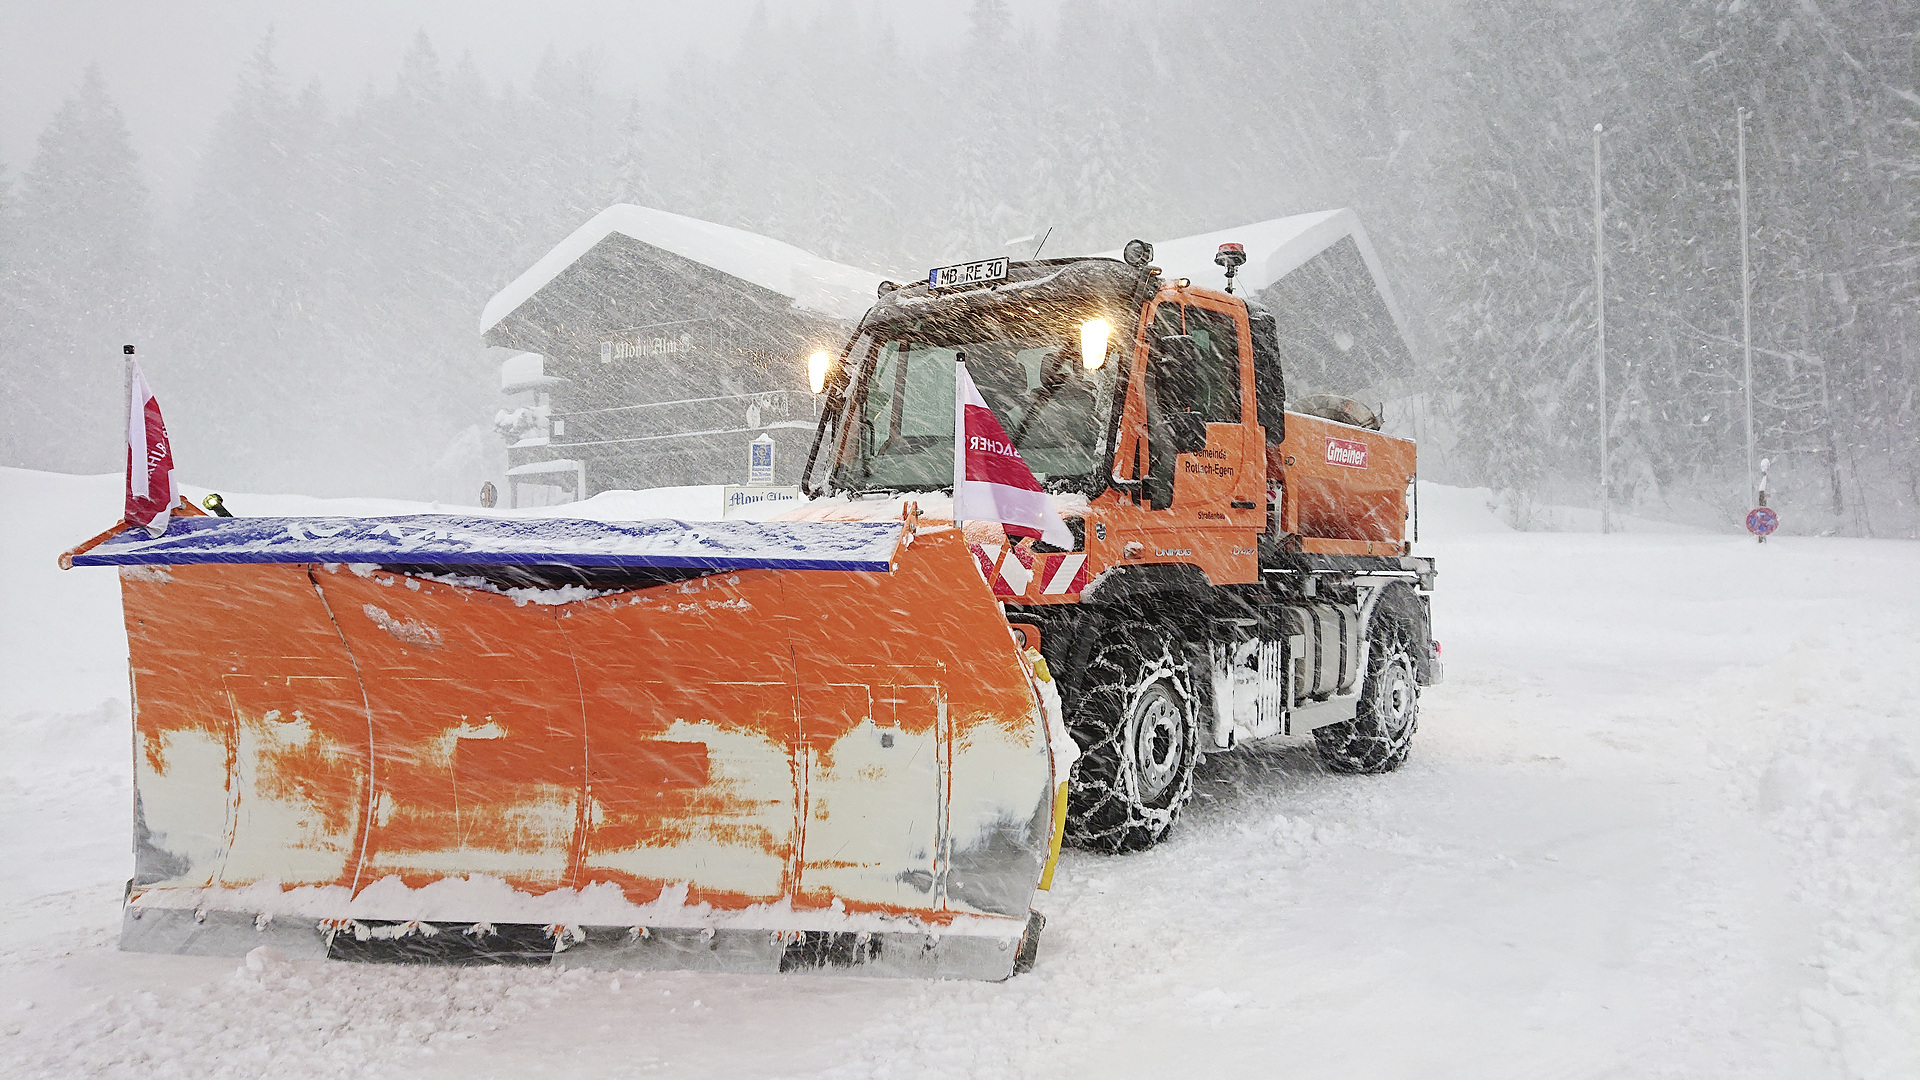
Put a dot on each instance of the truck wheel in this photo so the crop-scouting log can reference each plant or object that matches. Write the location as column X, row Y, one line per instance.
column 1380, row 735
column 1134, row 720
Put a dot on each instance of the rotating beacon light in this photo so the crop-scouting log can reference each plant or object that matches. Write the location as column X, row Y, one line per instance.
column 817, row 366
column 1231, row 256
column 1093, row 343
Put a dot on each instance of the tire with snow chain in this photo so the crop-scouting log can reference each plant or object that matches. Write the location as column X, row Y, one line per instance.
column 1132, row 713
column 1380, row 735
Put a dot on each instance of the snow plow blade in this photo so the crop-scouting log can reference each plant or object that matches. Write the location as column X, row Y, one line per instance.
column 723, row 746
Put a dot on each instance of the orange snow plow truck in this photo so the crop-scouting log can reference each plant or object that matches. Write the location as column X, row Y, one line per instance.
column 850, row 741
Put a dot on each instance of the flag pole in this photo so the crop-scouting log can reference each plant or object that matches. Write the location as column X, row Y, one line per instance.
column 126, row 398
column 1746, row 293
column 959, row 439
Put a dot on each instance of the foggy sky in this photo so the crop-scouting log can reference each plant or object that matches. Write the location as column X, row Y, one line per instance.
column 172, row 67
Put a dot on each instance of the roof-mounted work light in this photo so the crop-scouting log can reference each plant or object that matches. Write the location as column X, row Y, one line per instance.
column 1231, row 256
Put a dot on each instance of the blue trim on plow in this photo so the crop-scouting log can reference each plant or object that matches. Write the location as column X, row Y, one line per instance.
column 454, row 540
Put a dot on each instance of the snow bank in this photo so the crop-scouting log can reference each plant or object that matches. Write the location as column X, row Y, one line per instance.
column 61, row 646
column 1840, row 781
column 269, row 1016
column 1448, row 512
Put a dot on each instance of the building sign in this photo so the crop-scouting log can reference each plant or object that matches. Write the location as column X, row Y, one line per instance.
column 660, row 340
column 760, row 460
column 757, row 503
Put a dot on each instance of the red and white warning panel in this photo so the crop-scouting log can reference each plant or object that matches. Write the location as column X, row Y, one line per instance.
column 1011, row 571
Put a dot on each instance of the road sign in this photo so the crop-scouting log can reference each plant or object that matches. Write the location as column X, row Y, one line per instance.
column 1761, row 520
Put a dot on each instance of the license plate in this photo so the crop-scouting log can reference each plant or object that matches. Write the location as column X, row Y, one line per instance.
column 968, row 273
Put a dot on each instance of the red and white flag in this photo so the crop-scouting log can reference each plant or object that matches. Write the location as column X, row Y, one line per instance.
column 990, row 480
column 151, row 488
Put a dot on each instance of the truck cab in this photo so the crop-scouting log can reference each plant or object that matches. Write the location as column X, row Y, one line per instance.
column 1250, row 552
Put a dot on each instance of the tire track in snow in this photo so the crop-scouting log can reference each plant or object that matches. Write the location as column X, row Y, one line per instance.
column 275, row 1017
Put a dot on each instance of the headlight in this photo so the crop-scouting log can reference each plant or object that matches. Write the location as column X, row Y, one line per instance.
column 817, row 366
column 1093, row 343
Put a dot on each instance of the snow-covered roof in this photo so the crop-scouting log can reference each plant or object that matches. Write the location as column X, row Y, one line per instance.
column 525, row 371
column 811, row 282
column 1275, row 248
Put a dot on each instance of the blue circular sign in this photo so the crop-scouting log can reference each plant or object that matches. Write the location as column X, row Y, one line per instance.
column 1761, row 520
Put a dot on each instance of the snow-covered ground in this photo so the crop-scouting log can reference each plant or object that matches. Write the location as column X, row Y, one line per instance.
column 1660, row 821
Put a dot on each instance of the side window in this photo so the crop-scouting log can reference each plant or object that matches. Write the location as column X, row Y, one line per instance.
column 1214, row 387
column 1168, row 319
column 1184, row 396
column 1217, row 389
column 905, row 420
column 1269, row 384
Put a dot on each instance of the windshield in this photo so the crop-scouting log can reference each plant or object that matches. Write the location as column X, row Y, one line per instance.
column 1025, row 358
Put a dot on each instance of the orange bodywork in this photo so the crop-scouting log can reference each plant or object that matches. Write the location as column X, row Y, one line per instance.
column 809, row 740
column 1338, row 500
column 1341, row 490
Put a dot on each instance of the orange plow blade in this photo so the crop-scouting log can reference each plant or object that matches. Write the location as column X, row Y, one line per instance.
column 739, row 766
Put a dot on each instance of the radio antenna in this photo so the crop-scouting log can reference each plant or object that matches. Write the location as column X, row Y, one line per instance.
column 1043, row 242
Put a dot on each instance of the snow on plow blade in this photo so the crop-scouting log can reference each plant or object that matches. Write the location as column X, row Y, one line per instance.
column 729, row 746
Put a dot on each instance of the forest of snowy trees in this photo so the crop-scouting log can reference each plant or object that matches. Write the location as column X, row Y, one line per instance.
column 311, row 309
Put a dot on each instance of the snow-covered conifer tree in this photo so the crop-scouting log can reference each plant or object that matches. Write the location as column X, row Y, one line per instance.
column 79, row 284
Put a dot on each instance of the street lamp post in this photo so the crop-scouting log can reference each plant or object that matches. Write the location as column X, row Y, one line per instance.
column 1746, row 296
column 1600, row 338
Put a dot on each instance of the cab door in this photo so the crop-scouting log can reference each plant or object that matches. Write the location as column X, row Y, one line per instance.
column 1189, row 433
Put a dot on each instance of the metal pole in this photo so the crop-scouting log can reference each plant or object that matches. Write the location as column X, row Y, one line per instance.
column 1600, row 338
column 959, row 439
column 126, row 398
column 1746, row 297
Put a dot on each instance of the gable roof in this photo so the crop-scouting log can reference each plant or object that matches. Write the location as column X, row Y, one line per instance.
column 811, row 282
column 1275, row 248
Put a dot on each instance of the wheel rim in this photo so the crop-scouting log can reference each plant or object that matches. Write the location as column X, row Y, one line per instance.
column 1398, row 696
column 1156, row 744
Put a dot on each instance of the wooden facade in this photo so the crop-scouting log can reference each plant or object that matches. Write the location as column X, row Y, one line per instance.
column 656, row 369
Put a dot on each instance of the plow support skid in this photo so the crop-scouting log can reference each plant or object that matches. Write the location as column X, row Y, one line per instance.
column 751, row 769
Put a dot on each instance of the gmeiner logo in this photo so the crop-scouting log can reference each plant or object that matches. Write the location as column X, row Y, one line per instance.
column 1345, row 452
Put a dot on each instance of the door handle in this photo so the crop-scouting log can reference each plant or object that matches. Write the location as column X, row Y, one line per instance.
column 1243, row 504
